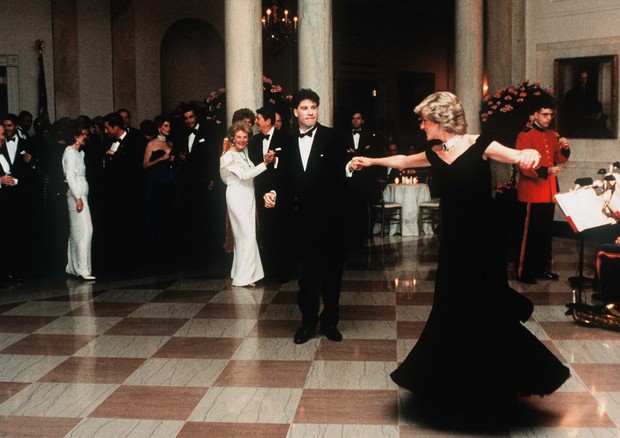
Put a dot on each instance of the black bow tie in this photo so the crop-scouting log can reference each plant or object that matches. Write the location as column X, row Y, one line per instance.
column 308, row 133
column 12, row 139
column 193, row 131
column 266, row 136
column 357, row 131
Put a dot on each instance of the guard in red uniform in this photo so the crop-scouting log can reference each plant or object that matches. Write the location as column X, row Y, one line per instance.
column 535, row 190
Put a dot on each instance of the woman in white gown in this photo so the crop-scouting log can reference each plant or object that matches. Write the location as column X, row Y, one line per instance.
column 238, row 172
column 80, row 224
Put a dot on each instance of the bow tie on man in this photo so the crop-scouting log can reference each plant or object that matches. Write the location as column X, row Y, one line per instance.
column 357, row 131
column 307, row 133
column 14, row 138
column 193, row 131
column 266, row 136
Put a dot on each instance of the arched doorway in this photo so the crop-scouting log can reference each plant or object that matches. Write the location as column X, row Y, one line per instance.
column 192, row 62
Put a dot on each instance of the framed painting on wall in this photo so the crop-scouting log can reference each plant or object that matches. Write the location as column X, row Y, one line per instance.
column 586, row 90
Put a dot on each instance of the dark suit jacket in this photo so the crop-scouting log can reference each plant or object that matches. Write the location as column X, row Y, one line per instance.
column 18, row 168
column 266, row 180
column 315, row 197
column 363, row 185
column 126, row 163
column 201, row 165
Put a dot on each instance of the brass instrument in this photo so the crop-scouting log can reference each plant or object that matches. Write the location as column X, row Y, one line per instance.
column 605, row 316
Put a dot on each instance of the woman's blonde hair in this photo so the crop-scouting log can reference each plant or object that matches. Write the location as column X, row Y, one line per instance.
column 240, row 125
column 445, row 109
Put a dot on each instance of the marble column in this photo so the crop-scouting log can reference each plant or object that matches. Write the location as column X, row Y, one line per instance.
column 244, row 62
column 505, row 52
column 66, row 61
column 505, row 43
column 316, row 60
column 124, row 54
column 469, row 47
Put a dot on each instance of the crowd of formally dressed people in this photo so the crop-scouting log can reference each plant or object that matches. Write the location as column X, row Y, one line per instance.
column 164, row 194
column 137, row 198
column 147, row 197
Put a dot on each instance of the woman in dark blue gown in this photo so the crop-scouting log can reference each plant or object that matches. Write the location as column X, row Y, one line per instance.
column 474, row 346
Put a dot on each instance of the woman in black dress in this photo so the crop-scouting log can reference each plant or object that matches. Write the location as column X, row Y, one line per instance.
column 473, row 347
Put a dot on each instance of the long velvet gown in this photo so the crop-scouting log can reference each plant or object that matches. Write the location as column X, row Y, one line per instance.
column 474, row 346
column 238, row 173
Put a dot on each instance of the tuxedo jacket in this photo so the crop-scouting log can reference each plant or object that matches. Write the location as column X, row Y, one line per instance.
column 18, row 168
column 126, row 162
column 364, row 183
column 13, row 198
column 314, row 196
column 266, row 180
column 201, row 164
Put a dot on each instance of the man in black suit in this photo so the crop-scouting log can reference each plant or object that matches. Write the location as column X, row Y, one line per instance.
column 312, row 168
column 16, row 200
column 362, row 188
column 198, row 176
column 272, row 228
column 124, row 187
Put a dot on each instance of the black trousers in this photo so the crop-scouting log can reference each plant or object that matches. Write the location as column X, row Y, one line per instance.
column 320, row 280
column 536, row 234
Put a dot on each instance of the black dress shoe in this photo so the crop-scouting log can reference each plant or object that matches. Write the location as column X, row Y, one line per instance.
column 548, row 275
column 303, row 334
column 526, row 280
column 331, row 333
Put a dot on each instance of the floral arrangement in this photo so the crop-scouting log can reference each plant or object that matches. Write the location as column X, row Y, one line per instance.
column 507, row 112
column 214, row 106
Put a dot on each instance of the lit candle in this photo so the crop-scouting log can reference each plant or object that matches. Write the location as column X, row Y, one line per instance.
column 264, row 22
column 286, row 15
column 396, row 181
column 268, row 14
column 295, row 20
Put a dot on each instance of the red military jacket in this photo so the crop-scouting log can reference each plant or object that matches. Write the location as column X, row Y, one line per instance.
column 536, row 185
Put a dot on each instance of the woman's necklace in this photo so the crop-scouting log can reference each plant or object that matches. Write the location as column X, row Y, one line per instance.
column 243, row 155
column 161, row 138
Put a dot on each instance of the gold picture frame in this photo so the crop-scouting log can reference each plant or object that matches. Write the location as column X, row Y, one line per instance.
column 586, row 91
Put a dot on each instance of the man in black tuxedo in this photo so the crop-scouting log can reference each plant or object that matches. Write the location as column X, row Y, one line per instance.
column 16, row 200
column 362, row 188
column 124, row 187
column 312, row 168
column 272, row 228
column 198, row 176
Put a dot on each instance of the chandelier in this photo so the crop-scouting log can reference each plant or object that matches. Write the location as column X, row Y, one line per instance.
column 278, row 27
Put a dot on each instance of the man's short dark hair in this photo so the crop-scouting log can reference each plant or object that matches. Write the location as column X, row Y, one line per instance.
column 268, row 113
column 113, row 119
column 123, row 110
column 10, row 116
column 24, row 114
column 185, row 108
column 543, row 101
column 242, row 114
column 303, row 94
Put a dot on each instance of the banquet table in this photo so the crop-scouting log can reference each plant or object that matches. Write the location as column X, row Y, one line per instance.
column 410, row 196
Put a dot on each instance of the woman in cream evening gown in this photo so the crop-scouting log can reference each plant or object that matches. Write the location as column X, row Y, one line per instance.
column 474, row 347
column 80, row 224
column 238, row 172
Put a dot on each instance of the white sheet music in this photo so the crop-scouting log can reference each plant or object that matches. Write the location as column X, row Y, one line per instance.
column 583, row 209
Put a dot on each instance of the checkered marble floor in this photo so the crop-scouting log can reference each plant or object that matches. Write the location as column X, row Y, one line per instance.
column 193, row 356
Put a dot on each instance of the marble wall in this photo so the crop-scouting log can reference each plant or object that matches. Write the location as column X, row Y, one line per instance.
column 568, row 29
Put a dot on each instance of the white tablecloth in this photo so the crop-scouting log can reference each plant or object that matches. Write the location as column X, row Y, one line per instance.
column 410, row 197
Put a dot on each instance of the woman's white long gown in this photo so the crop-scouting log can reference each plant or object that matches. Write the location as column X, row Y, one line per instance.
column 80, row 224
column 238, row 172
